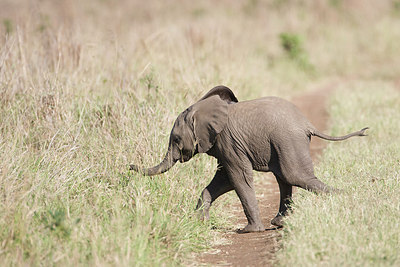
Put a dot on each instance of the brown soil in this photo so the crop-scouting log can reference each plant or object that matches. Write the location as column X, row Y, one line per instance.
column 258, row 249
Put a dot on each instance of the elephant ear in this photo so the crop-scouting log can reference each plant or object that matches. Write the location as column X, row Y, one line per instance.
column 223, row 92
column 210, row 117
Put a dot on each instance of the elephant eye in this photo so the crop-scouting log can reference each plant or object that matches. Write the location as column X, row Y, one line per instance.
column 177, row 139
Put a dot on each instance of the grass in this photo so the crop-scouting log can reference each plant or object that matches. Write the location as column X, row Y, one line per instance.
column 88, row 87
column 359, row 227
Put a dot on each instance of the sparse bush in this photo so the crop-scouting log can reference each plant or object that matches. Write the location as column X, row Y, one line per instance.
column 396, row 6
column 8, row 26
column 55, row 221
column 335, row 3
column 292, row 45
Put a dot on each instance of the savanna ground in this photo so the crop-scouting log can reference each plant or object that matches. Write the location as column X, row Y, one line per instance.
column 87, row 87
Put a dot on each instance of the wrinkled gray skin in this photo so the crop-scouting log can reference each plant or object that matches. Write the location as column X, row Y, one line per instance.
column 267, row 134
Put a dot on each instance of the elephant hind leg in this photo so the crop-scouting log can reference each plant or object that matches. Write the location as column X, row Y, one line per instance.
column 285, row 201
column 296, row 167
column 314, row 185
column 218, row 186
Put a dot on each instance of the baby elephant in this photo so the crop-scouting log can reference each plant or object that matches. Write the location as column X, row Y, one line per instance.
column 267, row 134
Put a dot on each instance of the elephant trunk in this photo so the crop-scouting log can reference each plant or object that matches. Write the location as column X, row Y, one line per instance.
column 164, row 166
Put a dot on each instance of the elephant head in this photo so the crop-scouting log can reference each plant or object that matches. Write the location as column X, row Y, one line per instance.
column 195, row 130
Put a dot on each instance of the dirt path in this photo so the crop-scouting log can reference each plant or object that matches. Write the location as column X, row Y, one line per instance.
column 258, row 249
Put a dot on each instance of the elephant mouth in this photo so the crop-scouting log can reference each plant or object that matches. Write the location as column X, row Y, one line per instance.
column 183, row 159
column 186, row 155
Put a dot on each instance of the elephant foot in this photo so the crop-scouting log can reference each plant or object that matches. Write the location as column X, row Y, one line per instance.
column 278, row 221
column 252, row 228
column 202, row 215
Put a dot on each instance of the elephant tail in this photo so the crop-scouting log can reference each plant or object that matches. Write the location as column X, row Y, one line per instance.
column 339, row 138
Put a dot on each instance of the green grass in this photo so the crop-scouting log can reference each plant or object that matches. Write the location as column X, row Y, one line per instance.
column 359, row 227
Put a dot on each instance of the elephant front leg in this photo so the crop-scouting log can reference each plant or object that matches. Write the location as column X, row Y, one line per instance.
column 242, row 181
column 285, row 201
column 204, row 204
column 218, row 186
